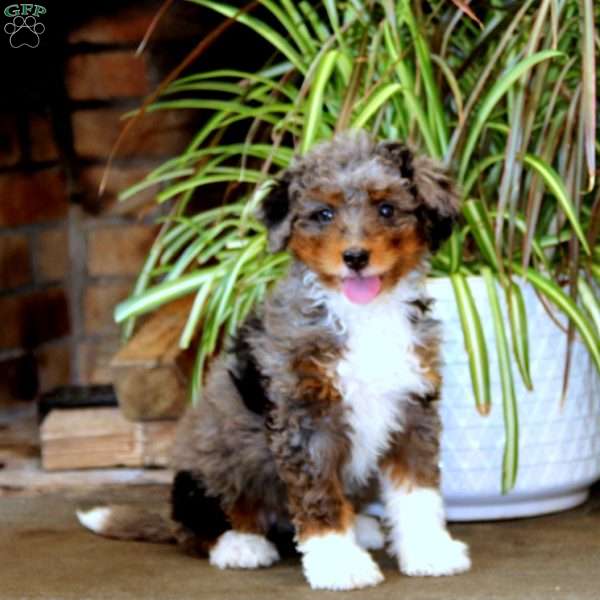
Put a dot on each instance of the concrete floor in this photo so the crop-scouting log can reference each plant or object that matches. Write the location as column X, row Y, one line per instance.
column 45, row 554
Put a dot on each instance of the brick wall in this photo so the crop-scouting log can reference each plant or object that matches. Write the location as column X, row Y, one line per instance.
column 67, row 256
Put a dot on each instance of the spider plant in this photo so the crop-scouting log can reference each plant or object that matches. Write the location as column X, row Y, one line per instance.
column 506, row 98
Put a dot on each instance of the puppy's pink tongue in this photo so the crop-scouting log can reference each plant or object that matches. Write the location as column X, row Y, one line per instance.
column 361, row 290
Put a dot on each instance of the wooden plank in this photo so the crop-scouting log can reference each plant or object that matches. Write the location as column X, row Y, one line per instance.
column 21, row 472
column 151, row 373
column 102, row 437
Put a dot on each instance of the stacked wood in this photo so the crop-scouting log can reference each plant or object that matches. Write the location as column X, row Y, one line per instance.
column 151, row 380
column 21, row 472
column 151, row 373
column 101, row 437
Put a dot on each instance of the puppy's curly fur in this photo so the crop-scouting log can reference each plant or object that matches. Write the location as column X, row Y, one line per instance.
column 322, row 399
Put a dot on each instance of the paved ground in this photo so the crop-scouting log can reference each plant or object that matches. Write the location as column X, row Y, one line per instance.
column 45, row 554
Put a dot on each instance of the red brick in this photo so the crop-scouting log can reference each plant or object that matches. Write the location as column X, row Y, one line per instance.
column 95, row 357
column 127, row 25
column 53, row 365
column 18, row 378
column 119, row 179
column 32, row 197
column 119, row 250
column 15, row 263
column 41, row 135
column 9, row 141
column 158, row 134
column 106, row 75
column 33, row 318
column 51, row 255
column 99, row 305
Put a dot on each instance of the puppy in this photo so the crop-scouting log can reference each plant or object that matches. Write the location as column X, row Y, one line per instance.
column 329, row 391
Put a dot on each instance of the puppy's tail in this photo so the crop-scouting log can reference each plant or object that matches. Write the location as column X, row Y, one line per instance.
column 128, row 523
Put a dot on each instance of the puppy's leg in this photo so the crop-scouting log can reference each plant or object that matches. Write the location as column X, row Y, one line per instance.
column 333, row 560
column 199, row 516
column 414, row 507
column 310, row 444
column 245, row 545
column 232, row 539
column 368, row 532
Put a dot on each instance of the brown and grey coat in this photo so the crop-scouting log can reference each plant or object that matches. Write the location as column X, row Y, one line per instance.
column 319, row 402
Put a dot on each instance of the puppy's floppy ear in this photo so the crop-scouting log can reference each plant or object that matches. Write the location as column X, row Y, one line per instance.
column 276, row 213
column 431, row 185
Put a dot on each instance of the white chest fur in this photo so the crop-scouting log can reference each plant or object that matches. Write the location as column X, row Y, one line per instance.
column 378, row 371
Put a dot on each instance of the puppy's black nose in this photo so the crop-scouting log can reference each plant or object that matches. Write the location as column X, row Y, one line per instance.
column 356, row 258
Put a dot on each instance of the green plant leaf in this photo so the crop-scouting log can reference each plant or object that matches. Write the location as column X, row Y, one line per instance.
column 254, row 247
column 414, row 107
column 476, row 170
column 434, row 104
column 556, row 185
column 557, row 296
column 195, row 315
column 481, row 229
column 517, row 316
column 142, row 282
column 475, row 345
column 588, row 97
column 375, row 102
column 217, row 175
column 590, row 301
column 314, row 109
column 509, row 402
column 268, row 33
column 292, row 22
column 493, row 96
column 162, row 293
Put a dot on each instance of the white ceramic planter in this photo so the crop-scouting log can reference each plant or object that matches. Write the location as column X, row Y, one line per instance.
column 559, row 447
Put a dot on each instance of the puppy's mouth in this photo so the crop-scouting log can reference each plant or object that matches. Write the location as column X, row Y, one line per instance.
column 361, row 290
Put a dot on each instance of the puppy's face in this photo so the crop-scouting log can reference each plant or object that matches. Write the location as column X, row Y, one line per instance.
column 361, row 238
column 353, row 211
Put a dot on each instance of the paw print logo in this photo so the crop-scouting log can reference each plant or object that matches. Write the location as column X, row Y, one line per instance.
column 24, row 31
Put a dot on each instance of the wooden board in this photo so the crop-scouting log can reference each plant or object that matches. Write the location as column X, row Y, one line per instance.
column 151, row 373
column 21, row 473
column 101, row 437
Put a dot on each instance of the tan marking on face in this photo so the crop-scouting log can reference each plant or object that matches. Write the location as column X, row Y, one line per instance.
column 331, row 197
column 377, row 196
column 321, row 253
column 396, row 253
column 391, row 194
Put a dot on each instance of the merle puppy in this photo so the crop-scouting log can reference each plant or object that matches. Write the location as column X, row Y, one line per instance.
column 329, row 392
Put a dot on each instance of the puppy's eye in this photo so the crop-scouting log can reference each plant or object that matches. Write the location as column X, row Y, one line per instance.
column 385, row 210
column 324, row 215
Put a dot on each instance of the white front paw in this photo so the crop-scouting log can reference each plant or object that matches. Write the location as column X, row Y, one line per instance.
column 335, row 562
column 368, row 533
column 236, row 550
column 434, row 556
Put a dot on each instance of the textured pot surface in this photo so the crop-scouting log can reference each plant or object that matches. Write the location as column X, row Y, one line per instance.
column 559, row 445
